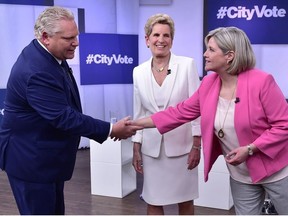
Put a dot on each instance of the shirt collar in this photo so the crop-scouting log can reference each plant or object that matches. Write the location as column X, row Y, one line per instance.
column 58, row 60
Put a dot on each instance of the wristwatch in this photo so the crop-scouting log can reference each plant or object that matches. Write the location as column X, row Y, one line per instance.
column 250, row 150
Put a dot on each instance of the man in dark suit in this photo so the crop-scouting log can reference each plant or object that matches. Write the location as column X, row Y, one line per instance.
column 43, row 119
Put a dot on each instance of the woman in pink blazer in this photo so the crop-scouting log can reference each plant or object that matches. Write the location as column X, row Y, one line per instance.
column 244, row 116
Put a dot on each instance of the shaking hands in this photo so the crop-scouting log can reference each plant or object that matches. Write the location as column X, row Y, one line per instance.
column 124, row 129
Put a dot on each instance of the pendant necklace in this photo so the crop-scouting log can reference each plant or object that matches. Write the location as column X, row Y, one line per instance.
column 159, row 70
column 221, row 133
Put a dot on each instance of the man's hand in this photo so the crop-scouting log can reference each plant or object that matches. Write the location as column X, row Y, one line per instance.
column 123, row 129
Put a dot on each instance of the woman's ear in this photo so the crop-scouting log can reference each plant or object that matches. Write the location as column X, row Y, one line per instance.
column 230, row 56
column 147, row 41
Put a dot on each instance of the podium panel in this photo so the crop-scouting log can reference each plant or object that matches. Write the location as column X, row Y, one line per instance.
column 215, row 193
column 112, row 173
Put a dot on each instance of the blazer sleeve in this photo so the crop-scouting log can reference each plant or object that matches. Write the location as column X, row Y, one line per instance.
column 194, row 83
column 46, row 93
column 173, row 117
column 275, row 115
column 137, row 106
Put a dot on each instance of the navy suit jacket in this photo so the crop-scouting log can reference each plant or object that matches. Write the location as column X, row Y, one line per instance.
column 43, row 119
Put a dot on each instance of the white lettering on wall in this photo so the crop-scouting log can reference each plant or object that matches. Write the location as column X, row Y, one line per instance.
column 248, row 14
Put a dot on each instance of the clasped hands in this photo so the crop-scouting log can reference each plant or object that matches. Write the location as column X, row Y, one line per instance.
column 124, row 129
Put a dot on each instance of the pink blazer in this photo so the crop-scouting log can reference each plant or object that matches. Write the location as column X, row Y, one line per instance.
column 261, row 117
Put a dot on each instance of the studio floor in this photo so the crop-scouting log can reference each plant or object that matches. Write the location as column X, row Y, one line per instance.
column 79, row 201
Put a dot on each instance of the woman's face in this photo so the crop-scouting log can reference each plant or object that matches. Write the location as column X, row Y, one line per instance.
column 160, row 40
column 215, row 59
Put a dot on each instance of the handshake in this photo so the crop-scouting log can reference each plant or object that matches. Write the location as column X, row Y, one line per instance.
column 124, row 129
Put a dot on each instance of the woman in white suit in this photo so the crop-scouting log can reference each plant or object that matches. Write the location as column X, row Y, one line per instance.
column 168, row 162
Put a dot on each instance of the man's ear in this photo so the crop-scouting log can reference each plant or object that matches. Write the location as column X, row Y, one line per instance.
column 45, row 38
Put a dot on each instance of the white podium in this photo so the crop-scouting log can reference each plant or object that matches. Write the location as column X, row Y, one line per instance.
column 112, row 173
column 215, row 193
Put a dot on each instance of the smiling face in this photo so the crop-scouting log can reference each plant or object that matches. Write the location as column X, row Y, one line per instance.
column 215, row 59
column 62, row 45
column 160, row 40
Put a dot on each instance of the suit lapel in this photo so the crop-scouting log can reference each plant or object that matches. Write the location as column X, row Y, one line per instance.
column 170, row 80
column 65, row 68
column 147, row 77
column 70, row 80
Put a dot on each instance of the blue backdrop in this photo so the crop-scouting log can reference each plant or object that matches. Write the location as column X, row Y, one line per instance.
column 262, row 20
column 107, row 58
column 29, row 2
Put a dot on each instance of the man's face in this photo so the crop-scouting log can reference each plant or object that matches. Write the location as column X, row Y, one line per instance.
column 62, row 45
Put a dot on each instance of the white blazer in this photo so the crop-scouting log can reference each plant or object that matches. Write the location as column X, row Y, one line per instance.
column 184, row 80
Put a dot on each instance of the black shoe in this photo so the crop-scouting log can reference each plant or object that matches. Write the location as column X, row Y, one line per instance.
column 268, row 208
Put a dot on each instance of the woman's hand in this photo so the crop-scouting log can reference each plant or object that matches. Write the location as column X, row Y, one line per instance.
column 137, row 158
column 237, row 156
column 195, row 153
column 193, row 159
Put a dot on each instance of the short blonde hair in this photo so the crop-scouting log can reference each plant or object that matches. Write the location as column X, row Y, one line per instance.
column 48, row 20
column 161, row 19
column 234, row 39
